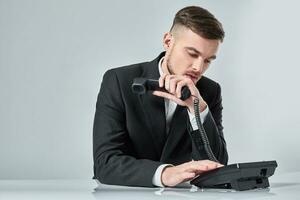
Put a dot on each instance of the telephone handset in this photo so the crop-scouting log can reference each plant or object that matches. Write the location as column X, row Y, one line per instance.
column 239, row 176
column 142, row 85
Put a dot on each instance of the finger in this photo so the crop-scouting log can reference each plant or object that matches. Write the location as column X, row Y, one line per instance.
column 190, row 84
column 179, row 88
column 206, row 162
column 220, row 165
column 173, row 84
column 199, row 171
column 162, row 94
column 168, row 96
column 167, row 82
column 186, row 82
column 196, row 168
column 191, row 167
column 212, row 165
column 201, row 166
column 162, row 80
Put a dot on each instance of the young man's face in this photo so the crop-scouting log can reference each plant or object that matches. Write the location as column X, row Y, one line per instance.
column 188, row 54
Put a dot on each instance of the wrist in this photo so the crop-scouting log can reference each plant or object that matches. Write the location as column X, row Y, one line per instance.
column 202, row 106
column 164, row 175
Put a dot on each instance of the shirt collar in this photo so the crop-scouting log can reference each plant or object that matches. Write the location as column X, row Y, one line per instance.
column 160, row 66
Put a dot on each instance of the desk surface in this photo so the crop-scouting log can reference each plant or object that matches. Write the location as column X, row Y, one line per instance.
column 283, row 186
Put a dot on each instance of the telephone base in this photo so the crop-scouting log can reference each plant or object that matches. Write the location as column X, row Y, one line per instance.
column 240, row 176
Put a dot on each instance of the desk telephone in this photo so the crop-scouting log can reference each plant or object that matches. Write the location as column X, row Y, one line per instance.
column 239, row 176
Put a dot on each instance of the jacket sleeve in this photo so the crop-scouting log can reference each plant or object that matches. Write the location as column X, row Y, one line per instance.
column 214, row 130
column 114, row 161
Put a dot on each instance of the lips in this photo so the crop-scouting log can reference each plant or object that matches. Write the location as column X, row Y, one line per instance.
column 193, row 77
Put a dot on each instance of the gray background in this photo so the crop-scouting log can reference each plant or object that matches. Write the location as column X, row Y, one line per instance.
column 53, row 55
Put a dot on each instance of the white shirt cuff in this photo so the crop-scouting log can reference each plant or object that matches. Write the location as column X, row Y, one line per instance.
column 156, row 180
column 192, row 117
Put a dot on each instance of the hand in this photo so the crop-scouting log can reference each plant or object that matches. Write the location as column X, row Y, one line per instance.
column 173, row 84
column 171, row 176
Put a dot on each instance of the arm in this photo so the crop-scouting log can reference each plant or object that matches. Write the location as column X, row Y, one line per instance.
column 114, row 161
column 213, row 121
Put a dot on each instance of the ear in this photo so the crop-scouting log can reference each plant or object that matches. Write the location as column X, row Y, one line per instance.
column 167, row 40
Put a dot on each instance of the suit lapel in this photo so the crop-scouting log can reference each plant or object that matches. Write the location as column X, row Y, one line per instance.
column 178, row 128
column 154, row 108
column 154, row 112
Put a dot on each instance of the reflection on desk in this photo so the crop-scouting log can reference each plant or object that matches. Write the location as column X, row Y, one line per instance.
column 283, row 186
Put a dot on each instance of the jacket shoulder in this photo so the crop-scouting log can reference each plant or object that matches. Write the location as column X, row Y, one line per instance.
column 209, row 89
column 207, row 82
column 121, row 78
column 127, row 71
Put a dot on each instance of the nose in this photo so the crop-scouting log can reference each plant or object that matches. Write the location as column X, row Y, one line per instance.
column 198, row 65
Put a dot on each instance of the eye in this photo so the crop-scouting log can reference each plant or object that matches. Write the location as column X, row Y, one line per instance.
column 193, row 55
column 207, row 61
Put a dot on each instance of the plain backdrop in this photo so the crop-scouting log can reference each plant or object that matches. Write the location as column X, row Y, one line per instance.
column 54, row 53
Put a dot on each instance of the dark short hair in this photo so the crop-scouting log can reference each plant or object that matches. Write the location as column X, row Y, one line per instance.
column 200, row 21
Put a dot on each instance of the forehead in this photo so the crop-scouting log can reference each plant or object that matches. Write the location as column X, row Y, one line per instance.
column 187, row 38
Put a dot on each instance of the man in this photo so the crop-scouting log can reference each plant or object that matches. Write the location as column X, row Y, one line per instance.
column 149, row 140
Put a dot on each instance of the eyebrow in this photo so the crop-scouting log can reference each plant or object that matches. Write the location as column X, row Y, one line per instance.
column 198, row 52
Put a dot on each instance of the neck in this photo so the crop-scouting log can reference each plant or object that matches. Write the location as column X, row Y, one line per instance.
column 164, row 66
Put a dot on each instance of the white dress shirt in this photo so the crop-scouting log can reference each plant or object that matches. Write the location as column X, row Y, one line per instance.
column 170, row 107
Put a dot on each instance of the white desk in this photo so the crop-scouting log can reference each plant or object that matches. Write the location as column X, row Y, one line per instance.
column 283, row 186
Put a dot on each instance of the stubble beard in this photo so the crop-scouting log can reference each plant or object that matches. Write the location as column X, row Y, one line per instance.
column 169, row 65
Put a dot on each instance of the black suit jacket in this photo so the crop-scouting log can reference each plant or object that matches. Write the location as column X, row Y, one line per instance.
column 129, row 136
